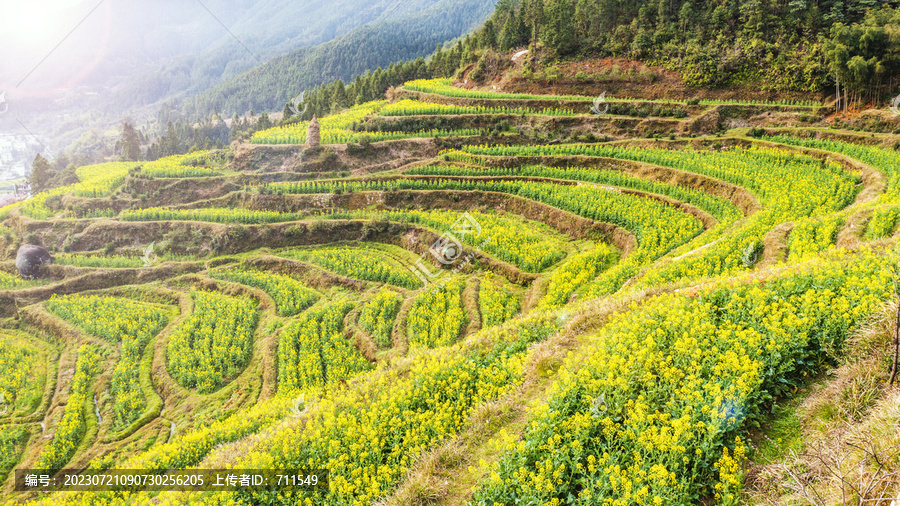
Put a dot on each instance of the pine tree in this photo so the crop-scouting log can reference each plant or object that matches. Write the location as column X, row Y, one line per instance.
column 170, row 145
column 40, row 174
column 534, row 17
column 153, row 152
column 131, row 144
column 559, row 33
column 264, row 122
column 509, row 36
column 339, row 96
column 488, row 35
column 523, row 30
column 436, row 66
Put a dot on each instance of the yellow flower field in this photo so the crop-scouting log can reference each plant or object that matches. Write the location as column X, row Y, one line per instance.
column 212, row 346
column 377, row 316
column 121, row 321
column 312, row 351
column 291, row 296
column 437, row 317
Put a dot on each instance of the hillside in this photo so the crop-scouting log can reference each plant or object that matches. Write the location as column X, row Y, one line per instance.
column 142, row 63
column 379, row 44
column 500, row 290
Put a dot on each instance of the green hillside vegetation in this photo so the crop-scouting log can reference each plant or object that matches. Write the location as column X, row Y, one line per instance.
column 845, row 49
column 784, row 46
column 482, row 291
column 367, row 48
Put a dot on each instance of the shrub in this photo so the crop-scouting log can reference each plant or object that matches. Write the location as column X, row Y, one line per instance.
column 756, row 132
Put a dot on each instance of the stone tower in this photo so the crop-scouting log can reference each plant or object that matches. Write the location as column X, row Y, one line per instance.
column 312, row 134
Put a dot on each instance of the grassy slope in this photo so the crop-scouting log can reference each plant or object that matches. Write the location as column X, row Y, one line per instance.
column 834, row 412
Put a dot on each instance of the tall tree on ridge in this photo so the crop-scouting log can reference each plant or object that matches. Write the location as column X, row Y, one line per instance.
column 131, row 143
column 559, row 34
column 40, row 174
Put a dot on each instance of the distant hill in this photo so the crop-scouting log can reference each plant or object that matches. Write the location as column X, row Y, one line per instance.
column 130, row 61
column 378, row 44
column 265, row 31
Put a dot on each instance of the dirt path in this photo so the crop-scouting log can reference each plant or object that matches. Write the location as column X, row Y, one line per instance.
column 775, row 245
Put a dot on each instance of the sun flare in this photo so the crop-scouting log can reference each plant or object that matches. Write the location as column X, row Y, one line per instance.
column 40, row 22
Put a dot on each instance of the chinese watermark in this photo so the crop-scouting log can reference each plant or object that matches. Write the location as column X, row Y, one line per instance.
column 298, row 406
column 895, row 105
column 301, row 405
column 3, row 105
column 295, row 104
column 149, row 257
column 448, row 250
column 599, row 407
column 598, row 103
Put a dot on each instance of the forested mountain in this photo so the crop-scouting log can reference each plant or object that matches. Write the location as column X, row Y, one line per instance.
column 799, row 45
column 824, row 47
column 269, row 29
column 138, row 53
column 366, row 48
column 852, row 49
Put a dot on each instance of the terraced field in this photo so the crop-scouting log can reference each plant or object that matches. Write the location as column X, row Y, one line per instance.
column 453, row 299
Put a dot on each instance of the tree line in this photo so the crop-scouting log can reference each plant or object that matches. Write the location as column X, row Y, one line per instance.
column 850, row 48
column 380, row 44
column 335, row 96
column 796, row 45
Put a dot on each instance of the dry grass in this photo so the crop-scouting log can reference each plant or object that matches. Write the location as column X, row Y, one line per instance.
column 850, row 234
column 361, row 339
column 775, row 245
column 851, row 433
column 448, row 473
column 436, row 476
column 470, row 305
column 850, row 463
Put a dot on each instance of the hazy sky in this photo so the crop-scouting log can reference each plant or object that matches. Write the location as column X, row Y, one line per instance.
column 67, row 65
column 52, row 44
column 59, row 55
column 69, row 43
